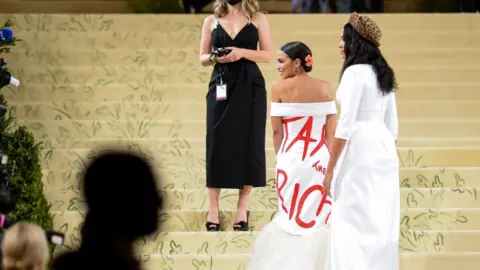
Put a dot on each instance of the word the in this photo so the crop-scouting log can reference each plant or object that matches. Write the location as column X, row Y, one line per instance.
column 319, row 168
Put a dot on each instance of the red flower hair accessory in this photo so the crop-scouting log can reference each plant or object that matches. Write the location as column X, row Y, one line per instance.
column 309, row 61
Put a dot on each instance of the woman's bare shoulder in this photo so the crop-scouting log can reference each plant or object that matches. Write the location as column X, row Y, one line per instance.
column 210, row 22
column 259, row 19
column 282, row 85
column 209, row 19
column 285, row 83
column 277, row 90
column 259, row 15
column 324, row 88
column 278, row 85
column 321, row 83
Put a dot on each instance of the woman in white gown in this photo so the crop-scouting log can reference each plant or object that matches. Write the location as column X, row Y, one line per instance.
column 366, row 189
column 303, row 117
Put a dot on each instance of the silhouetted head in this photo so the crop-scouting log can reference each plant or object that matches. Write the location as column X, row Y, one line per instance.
column 121, row 192
column 360, row 45
column 294, row 58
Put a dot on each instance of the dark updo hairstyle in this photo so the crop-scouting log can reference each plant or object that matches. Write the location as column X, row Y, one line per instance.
column 359, row 50
column 298, row 50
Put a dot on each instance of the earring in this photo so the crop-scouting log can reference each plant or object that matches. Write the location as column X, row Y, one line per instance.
column 296, row 72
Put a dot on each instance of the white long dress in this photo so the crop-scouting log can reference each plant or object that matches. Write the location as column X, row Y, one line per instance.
column 365, row 217
column 297, row 237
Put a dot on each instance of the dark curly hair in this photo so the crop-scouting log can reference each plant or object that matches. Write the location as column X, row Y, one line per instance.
column 358, row 50
column 298, row 50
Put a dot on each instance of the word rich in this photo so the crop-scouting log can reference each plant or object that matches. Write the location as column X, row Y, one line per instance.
column 309, row 182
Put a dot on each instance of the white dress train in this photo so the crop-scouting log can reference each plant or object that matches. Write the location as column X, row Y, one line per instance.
column 298, row 236
column 366, row 188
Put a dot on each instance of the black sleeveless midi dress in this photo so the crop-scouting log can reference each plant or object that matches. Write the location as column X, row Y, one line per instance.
column 235, row 140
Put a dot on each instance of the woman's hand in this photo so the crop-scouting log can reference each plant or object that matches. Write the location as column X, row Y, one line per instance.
column 327, row 181
column 235, row 55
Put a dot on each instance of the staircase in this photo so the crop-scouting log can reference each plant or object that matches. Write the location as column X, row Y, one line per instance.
column 91, row 80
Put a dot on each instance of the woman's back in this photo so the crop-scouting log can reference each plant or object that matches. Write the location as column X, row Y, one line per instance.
column 307, row 109
column 362, row 101
column 302, row 89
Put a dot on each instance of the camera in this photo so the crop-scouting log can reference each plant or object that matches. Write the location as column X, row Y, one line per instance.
column 220, row 52
column 7, row 199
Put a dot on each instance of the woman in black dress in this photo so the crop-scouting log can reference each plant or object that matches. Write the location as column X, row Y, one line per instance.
column 236, row 103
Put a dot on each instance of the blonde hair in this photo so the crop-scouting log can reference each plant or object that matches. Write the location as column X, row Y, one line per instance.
column 249, row 8
column 25, row 246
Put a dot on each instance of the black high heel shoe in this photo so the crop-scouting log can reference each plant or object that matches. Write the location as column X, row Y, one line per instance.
column 242, row 226
column 212, row 226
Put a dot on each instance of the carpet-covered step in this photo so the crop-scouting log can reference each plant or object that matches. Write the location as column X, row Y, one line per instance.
column 203, row 243
column 154, row 109
column 179, row 178
column 55, row 92
column 438, row 142
column 154, row 52
column 180, row 156
column 175, row 23
column 147, row 75
column 266, row 198
column 194, row 220
column 153, row 132
column 94, row 142
column 408, row 261
column 243, row 242
column 103, row 23
column 323, row 41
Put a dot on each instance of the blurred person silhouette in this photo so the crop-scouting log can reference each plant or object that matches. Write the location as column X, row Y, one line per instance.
column 467, row 6
column 25, row 247
column 195, row 6
column 120, row 189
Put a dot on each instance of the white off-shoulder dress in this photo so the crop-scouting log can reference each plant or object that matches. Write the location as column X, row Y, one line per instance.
column 297, row 237
column 365, row 217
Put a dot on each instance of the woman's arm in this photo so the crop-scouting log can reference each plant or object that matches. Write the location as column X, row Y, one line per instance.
column 206, row 41
column 391, row 116
column 276, row 121
column 335, row 152
column 352, row 87
column 330, row 130
column 331, row 123
column 277, row 132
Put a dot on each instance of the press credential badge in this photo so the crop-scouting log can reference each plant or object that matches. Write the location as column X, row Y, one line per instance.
column 221, row 91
